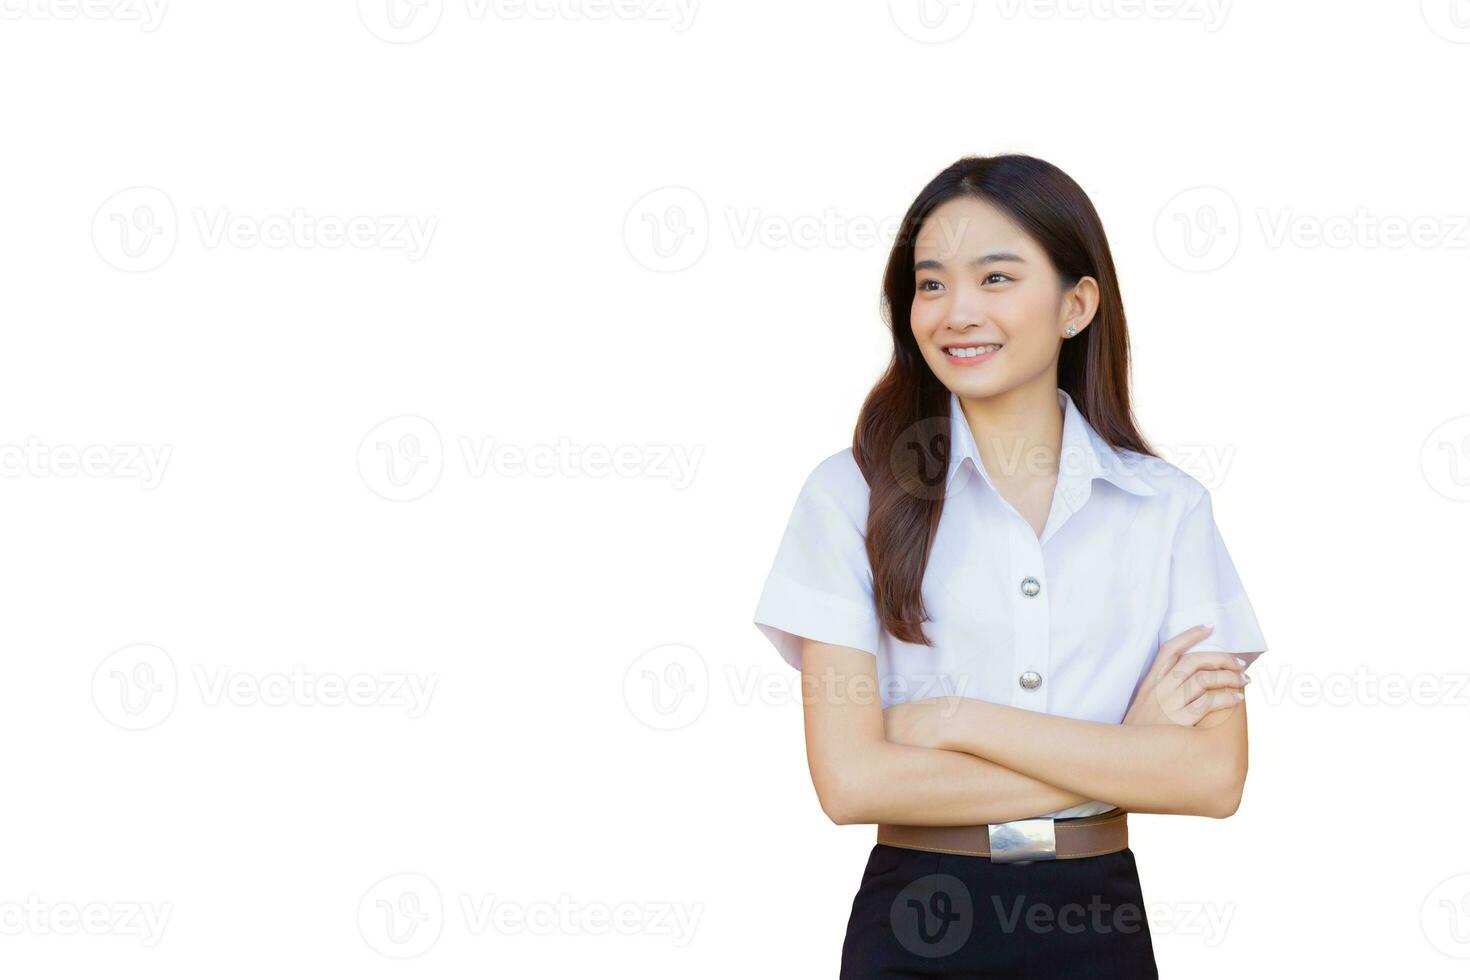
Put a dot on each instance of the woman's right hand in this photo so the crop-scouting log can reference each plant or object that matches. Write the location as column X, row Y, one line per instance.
column 1182, row 687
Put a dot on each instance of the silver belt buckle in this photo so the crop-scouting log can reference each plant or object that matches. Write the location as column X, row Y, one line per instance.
column 1021, row 841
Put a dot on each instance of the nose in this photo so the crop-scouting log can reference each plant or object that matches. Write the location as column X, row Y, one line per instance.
column 965, row 306
column 967, row 310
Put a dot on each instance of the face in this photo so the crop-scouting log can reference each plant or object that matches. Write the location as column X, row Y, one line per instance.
column 980, row 281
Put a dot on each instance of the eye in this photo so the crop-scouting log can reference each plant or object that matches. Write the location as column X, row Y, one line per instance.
column 928, row 282
column 1001, row 274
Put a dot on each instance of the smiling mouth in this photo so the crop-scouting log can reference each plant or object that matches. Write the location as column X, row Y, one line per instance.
column 971, row 355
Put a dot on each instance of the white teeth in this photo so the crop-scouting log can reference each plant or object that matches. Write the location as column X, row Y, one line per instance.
column 972, row 351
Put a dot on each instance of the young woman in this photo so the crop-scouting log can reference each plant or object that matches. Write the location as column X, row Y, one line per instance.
column 1014, row 621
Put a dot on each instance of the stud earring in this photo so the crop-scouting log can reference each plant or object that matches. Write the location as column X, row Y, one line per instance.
column 1071, row 330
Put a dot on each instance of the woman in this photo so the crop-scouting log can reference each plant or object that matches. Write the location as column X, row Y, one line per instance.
column 1014, row 622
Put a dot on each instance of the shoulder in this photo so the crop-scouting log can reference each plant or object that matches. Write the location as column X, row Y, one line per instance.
column 1178, row 490
column 837, row 482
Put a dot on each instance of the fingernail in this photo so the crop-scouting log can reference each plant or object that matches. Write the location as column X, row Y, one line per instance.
column 1205, row 626
column 1246, row 681
column 1239, row 696
column 1240, row 661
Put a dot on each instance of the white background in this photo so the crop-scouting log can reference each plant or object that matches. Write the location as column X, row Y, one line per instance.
column 1249, row 161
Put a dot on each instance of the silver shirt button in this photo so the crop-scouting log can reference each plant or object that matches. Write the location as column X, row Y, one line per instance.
column 1029, row 586
column 1031, row 680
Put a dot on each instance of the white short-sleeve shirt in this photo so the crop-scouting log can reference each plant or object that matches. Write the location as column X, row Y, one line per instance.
column 1067, row 623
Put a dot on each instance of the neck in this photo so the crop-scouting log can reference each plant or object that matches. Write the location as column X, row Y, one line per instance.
column 1018, row 431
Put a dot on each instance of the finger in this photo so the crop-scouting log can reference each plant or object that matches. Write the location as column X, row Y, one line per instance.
column 1212, row 701
column 1218, row 716
column 1208, row 680
column 1170, row 650
column 1190, row 663
column 1189, row 637
column 1171, row 668
column 1181, row 711
column 1213, row 659
column 1180, row 642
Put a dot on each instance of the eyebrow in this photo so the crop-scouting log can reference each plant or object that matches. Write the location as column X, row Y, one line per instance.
column 981, row 260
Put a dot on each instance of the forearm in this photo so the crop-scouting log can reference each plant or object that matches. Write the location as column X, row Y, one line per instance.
column 1144, row 768
column 888, row 782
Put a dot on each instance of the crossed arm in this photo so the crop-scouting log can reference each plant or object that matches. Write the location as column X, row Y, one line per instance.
column 965, row 761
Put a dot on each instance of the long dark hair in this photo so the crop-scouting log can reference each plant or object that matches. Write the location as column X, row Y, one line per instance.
column 902, row 437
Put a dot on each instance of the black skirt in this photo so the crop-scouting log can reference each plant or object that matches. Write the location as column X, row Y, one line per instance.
column 926, row 914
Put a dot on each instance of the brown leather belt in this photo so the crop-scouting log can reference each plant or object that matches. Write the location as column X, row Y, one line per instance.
column 1018, row 841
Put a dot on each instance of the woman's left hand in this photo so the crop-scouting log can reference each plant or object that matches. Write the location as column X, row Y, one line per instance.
column 919, row 723
column 1185, row 686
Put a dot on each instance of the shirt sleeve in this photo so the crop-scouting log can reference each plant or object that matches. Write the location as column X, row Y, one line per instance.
column 1205, row 588
column 820, row 585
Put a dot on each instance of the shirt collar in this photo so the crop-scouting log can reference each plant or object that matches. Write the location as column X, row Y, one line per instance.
column 1085, row 455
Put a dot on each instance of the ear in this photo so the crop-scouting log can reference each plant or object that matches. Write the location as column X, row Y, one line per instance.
column 1080, row 304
